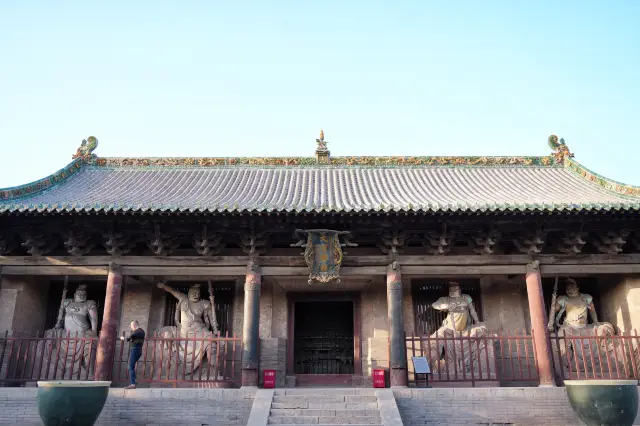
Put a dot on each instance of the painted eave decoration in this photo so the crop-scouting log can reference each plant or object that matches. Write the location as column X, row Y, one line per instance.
column 553, row 183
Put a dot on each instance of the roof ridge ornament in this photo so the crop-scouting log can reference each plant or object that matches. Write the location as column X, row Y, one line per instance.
column 322, row 152
column 86, row 148
column 561, row 150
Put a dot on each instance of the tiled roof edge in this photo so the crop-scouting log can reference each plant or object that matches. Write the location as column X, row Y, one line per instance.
column 22, row 191
column 512, row 208
column 630, row 191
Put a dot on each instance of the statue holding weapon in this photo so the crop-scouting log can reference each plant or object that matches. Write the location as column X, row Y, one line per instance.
column 552, row 306
column 575, row 309
column 214, row 319
column 77, row 319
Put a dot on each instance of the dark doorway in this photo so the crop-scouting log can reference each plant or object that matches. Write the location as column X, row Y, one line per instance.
column 323, row 338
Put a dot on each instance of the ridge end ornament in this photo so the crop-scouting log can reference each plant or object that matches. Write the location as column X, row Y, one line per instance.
column 323, row 156
column 323, row 252
column 560, row 148
column 85, row 150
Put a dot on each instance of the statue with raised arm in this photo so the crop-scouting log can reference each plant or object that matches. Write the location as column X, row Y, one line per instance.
column 77, row 318
column 572, row 313
column 461, row 321
column 193, row 321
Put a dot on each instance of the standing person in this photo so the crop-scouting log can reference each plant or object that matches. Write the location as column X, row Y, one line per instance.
column 137, row 340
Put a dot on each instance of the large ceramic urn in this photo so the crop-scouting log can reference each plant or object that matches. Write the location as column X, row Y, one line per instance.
column 71, row 402
column 604, row 402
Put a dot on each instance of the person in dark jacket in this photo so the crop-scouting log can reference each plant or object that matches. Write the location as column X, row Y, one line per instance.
column 137, row 340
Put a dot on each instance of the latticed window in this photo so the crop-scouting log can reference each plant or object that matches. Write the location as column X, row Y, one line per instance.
column 223, row 294
column 425, row 292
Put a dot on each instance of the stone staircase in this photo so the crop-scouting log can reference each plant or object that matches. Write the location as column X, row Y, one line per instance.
column 322, row 406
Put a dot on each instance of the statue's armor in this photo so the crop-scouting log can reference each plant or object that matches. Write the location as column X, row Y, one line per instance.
column 191, row 315
column 76, row 315
column 577, row 310
column 458, row 307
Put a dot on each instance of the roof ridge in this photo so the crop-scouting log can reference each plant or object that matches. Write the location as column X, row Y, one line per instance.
column 396, row 161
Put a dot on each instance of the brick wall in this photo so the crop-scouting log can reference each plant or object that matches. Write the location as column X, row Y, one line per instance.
column 273, row 356
column 23, row 304
column 213, row 407
column 136, row 305
column 486, row 406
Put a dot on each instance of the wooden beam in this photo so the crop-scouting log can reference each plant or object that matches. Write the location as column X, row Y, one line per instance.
column 56, row 270
column 200, row 271
column 550, row 270
column 237, row 271
column 435, row 270
column 298, row 261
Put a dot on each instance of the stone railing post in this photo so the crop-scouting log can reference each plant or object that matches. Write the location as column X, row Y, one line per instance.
column 397, row 346
column 539, row 324
column 250, row 326
column 109, row 331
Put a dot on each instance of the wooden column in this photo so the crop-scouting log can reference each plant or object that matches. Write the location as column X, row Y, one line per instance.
column 250, row 326
column 109, row 331
column 539, row 324
column 397, row 347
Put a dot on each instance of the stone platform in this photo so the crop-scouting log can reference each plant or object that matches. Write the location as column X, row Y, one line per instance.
column 253, row 407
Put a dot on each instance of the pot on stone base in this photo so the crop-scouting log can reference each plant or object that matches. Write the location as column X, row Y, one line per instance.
column 71, row 403
column 604, row 402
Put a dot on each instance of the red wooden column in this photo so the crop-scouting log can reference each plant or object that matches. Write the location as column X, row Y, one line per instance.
column 109, row 332
column 251, row 326
column 397, row 347
column 539, row 324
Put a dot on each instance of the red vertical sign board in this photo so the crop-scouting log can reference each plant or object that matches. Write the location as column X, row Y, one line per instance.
column 269, row 379
column 379, row 379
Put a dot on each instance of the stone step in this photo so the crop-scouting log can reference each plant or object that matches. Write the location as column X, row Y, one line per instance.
column 335, row 420
column 325, row 391
column 290, row 412
column 326, row 398
column 304, row 404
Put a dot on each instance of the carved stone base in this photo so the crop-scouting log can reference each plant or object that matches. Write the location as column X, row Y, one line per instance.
column 398, row 377
column 249, row 378
column 290, row 382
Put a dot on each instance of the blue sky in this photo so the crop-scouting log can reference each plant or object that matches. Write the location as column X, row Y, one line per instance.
column 260, row 78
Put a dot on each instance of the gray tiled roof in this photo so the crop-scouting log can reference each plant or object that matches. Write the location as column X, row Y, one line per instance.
column 322, row 188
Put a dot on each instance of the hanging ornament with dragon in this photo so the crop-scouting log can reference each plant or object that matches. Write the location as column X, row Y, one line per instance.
column 323, row 252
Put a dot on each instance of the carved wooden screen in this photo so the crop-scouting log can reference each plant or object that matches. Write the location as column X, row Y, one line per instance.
column 223, row 294
column 425, row 292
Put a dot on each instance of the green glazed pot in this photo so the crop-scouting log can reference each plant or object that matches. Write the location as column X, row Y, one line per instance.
column 71, row 403
column 604, row 402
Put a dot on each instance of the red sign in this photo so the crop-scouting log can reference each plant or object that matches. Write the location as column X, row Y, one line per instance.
column 379, row 380
column 269, row 379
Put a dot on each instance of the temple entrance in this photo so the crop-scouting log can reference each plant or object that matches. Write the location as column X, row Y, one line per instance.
column 323, row 340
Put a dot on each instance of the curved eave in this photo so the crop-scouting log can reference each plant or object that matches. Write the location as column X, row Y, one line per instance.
column 629, row 191
column 32, row 188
